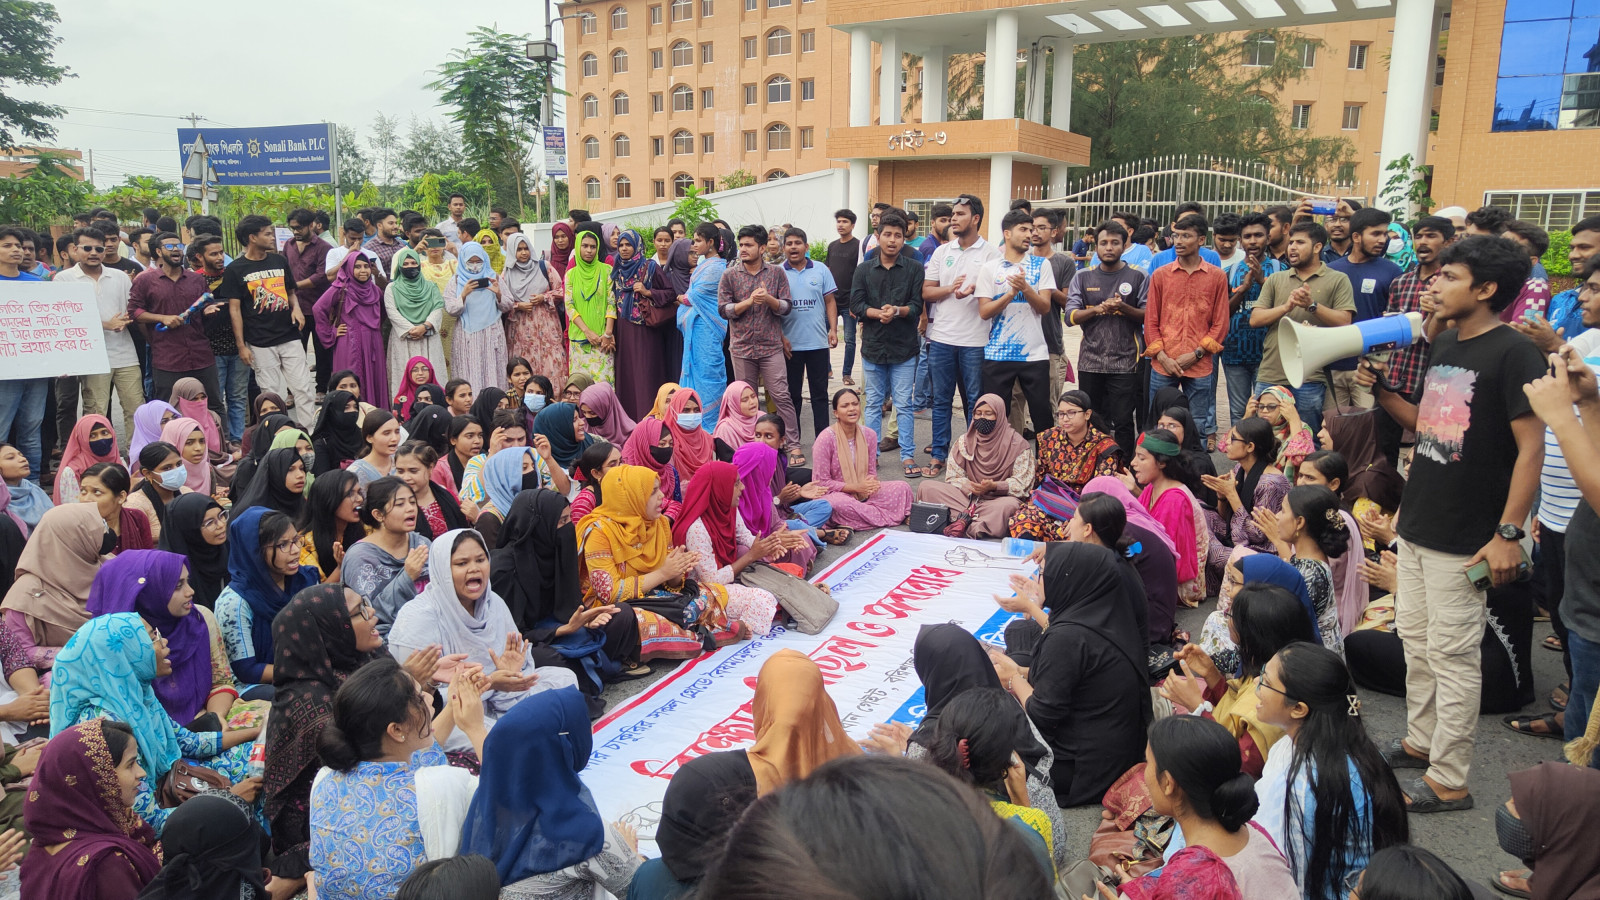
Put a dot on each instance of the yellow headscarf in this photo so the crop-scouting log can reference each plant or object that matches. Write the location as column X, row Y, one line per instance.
column 659, row 411
column 491, row 245
column 640, row 543
column 797, row 725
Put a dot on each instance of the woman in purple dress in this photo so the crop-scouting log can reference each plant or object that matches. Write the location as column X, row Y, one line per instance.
column 349, row 319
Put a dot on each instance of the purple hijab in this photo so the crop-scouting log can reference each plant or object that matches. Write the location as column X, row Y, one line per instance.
column 5, row 506
column 756, row 462
column 142, row 581
column 615, row 426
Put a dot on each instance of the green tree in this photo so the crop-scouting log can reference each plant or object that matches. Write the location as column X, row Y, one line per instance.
column 138, row 192
column 355, row 169
column 738, row 178
column 45, row 196
column 27, row 48
column 430, row 148
column 693, row 208
column 430, row 193
column 496, row 95
column 385, row 144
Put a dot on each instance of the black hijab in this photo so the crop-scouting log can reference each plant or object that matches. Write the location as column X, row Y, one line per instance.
column 208, row 565
column 950, row 661
column 429, row 394
column 267, row 488
column 212, row 848
column 1193, row 449
column 1355, row 436
column 483, row 409
column 704, row 799
column 262, row 442
column 449, row 506
column 337, row 437
column 1089, row 587
column 431, row 424
column 535, row 568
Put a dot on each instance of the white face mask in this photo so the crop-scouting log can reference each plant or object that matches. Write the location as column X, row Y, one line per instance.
column 1396, row 245
column 172, row 479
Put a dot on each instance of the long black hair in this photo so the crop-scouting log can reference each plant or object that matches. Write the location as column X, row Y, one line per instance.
column 1204, row 759
column 379, row 694
column 1332, row 739
column 1107, row 518
column 1268, row 618
column 971, row 742
column 590, row 461
column 320, row 517
column 1257, row 432
column 1407, row 872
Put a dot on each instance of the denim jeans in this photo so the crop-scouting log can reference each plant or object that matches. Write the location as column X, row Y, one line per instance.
column 234, row 376
column 813, row 514
column 1308, row 399
column 1200, row 391
column 900, row 379
column 1585, row 683
column 22, row 405
column 849, row 326
column 1241, row 379
column 952, row 368
column 922, row 393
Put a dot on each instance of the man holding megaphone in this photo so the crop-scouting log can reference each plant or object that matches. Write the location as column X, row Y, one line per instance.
column 1310, row 294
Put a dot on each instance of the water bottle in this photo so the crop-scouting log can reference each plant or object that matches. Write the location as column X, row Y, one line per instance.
column 258, row 756
column 1017, row 547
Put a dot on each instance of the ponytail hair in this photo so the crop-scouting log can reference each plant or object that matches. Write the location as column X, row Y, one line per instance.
column 1204, row 760
column 379, row 694
column 1320, row 508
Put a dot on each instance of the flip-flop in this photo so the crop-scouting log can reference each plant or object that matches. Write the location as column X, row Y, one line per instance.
column 913, row 471
column 1565, row 690
column 835, row 536
column 1551, row 642
column 797, row 459
column 934, row 469
column 1424, row 800
column 1394, row 753
column 1524, row 725
column 1499, row 884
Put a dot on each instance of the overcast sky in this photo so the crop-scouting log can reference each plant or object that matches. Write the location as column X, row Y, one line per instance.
column 282, row 63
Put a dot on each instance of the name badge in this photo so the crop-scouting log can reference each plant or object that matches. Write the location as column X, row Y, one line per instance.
column 1369, row 285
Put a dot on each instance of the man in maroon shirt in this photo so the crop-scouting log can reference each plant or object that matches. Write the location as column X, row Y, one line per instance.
column 162, row 295
column 752, row 295
column 308, row 256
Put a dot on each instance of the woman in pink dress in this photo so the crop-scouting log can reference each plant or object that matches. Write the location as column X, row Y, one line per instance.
column 1157, row 461
column 534, row 330
column 349, row 317
column 847, row 466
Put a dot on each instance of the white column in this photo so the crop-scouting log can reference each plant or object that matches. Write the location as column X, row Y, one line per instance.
column 1033, row 109
column 1061, row 87
column 1000, row 69
column 859, row 200
column 999, row 192
column 935, row 78
column 860, row 78
column 1406, row 103
column 889, row 79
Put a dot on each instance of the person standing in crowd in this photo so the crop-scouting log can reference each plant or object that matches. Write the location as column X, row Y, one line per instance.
column 1566, row 310
column 386, row 242
column 1107, row 302
column 956, row 332
column 308, row 269
column 161, row 296
column 206, row 257
column 1278, row 238
column 533, row 326
column 1047, row 234
column 1460, row 508
column 754, row 297
column 1408, row 364
column 701, row 323
column 22, row 400
column 887, row 296
column 112, row 288
column 349, row 318
column 842, row 257
column 1370, row 276
column 1185, row 322
column 415, row 310
column 1311, row 293
column 1170, row 254
column 1241, row 350
column 810, row 329
column 938, row 230
column 1014, row 293
column 591, row 313
column 646, row 347
column 266, row 323
column 1225, row 238
column 476, row 297
column 450, row 226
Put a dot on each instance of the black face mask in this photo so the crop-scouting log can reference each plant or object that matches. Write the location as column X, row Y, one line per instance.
column 662, row 455
column 530, row 480
column 410, row 273
column 1512, row 834
column 102, row 446
column 594, row 421
column 984, row 426
column 108, row 542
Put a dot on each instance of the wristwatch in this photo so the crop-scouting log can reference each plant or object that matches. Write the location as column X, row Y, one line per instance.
column 1510, row 532
column 1312, row 308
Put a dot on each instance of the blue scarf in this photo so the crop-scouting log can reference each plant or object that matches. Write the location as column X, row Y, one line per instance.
column 109, row 666
column 555, row 423
column 502, row 478
column 1269, row 569
column 703, row 327
column 482, row 309
column 249, row 577
column 29, row 501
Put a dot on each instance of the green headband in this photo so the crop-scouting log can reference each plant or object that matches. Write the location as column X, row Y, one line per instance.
column 1157, row 445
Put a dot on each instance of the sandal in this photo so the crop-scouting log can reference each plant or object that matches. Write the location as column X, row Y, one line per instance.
column 912, row 470
column 797, row 459
column 1423, row 799
column 849, row 381
column 1499, row 882
column 1525, row 725
column 835, row 536
column 1564, row 693
column 933, row 469
column 1394, row 753
column 1552, row 642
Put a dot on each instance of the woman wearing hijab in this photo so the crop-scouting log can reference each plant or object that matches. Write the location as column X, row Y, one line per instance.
column 989, row 477
column 431, row 425
column 490, row 242
column 1549, row 823
column 502, row 478
column 279, row 484
column 846, row 464
column 1354, row 434
column 1295, row 440
column 651, row 445
column 415, row 308
column 557, row 422
column 710, row 526
column 347, row 380
column 641, row 347
column 737, row 413
column 428, row 395
column 757, row 464
column 197, row 529
column 796, row 723
column 534, row 817
column 692, row 444
column 561, row 247
column 337, row 436
column 264, row 405
column 628, row 557
column 701, row 322
column 476, row 298
column 91, row 442
column 150, row 418
column 663, row 398
column 461, row 614
column 537, row 292
column 577, row 382
column 187, row 435
column 189, row 396
column 153, row 584
column 489, row 400
column 108, row 670
column 88, row 842
column 604, row 415
column 415, row 374
column 264, row 571
column 1085, row 674
column 704, row 799
column 349, row 318
column 591, row 313
column 212, row 848
column 48, row 599
column 258, row 440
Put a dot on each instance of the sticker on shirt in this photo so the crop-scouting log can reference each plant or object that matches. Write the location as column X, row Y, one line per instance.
column 1369, row 285
column 1124, row 289
column 1445, row 413
column 267, row 290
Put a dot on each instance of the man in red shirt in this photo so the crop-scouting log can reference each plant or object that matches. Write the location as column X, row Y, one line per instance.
column 1186, row 318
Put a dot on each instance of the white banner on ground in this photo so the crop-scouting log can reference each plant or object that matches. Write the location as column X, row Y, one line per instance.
column 49, row 329
column 887, row 589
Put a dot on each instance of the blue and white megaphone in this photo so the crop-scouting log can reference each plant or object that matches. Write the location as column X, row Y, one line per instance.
column 1307, row 348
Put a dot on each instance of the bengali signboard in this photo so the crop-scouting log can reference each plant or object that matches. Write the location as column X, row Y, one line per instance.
column 555, row 153
column 269, row 154
column 49, row 329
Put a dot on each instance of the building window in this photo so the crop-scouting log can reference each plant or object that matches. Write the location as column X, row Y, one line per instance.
column 619, row 18
column 1346, row 175
column 750, row 5
column 656, row 103
column 777, row 175
column 706, row 8
column 706, row 96
column 682, row 143
column 749, row 142
column 807, row 138
column 681, row 185
column 705, row 53
column 1549, row 73
column 621, row 146
column 619, row 62
column 1352, row 117
column 1358, row 56
column 1308, row 55
column 707, row 185
column 591, row 65
column 655, row 58
column 749, row 95
column 683, row 98
column 1552, row 210
column 656, row 145
column 655, row 15
column 1260, row 50
column 591, row 106
column 619, row 103
column 777, row 4
column 778, row 42
column 624, row 188
column 778, row 136
column 659, row 188
column 808, row 42
column 591, row 188
column 808, row 89
column 682, row 10
column 778, row 89
column 591, row 148
column 749, row 48
column 682, row 54
column 1301, row 116
column 708, row 143
column 588, row 23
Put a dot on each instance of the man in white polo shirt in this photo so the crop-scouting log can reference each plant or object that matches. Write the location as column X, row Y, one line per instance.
column 956, row 331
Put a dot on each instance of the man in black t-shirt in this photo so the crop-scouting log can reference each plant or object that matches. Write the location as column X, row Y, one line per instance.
column 1470, row 490
column 266, row 320
column 843, row 256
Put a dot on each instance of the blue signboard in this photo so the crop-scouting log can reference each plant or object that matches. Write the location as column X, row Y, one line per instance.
column 272, row 154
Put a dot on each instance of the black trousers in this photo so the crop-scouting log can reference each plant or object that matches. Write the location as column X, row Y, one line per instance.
column 1553, row 563
column 1115, row 398
column 1034, row 377
column 323, row 354
column 814, row 364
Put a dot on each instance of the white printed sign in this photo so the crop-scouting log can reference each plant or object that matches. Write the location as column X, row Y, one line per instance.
column 49, row 329
column 887, row 590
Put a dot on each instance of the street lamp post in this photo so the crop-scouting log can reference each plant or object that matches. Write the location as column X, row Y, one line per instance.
column 547, row 52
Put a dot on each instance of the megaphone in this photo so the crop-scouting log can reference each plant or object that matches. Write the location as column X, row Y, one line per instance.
column 1307, row 348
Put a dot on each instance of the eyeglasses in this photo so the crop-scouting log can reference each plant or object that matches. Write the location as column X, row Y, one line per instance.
column 85, row 249
column 1070, row 413
column 220, row 520
column 287, row 545
column 1262, row 683
column 172, row 246
column 1267, row 407
column 365, row 611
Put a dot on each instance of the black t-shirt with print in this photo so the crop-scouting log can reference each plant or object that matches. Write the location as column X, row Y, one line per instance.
column 261, row 288
column 1461, row 468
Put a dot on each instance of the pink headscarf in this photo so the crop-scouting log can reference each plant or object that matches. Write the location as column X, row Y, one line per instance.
column 734, row 429
column 78, row 457
column 756, row 462
column 1137, row 514
column 186, row 398
column 178, row 431
column 615, row 426
column 408, row 390
column 1350, row 592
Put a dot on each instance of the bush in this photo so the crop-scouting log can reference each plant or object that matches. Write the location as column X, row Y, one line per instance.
column 818, row 251
column 1555, row 259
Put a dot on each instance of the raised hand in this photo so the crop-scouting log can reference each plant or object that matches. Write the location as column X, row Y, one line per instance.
column 422, row 664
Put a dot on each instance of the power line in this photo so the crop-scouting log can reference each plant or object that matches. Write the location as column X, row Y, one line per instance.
column 193, row 118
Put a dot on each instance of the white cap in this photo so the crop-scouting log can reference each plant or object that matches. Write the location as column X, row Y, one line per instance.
column 1456, row 214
